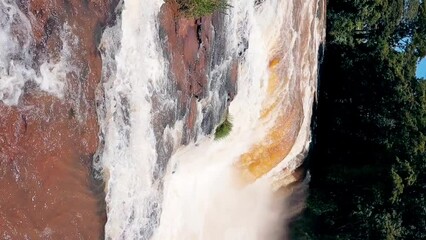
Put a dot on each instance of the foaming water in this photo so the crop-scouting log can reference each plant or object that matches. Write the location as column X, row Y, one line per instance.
column 129, row 157
column 226, row 189
column 16, row 57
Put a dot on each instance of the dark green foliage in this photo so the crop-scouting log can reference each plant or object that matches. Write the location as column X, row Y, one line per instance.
column 200, row 8
column 223, row 129
column 368, row 166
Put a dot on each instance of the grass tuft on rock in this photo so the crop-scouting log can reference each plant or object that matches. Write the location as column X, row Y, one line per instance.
column 200, row 8
column 223, row 129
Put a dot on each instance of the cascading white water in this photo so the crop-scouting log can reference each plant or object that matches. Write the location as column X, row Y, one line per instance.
column 129, row 155
column 16, row 57
column 210, row 189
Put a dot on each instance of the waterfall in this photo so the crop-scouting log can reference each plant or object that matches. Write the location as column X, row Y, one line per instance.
column 135, row 69
column 158, row 188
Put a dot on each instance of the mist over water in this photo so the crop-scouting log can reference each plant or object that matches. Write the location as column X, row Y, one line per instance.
column 234, row 188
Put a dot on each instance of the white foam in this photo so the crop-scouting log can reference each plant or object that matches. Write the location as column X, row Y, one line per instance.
column 16, row 57
column 129, row 157
column 15, row 54
column 53, row 74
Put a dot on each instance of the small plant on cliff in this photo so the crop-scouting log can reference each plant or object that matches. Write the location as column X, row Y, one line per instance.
column 200, row 8
column 223, row 129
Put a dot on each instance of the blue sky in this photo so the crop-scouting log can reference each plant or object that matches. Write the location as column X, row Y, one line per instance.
column 421, row 69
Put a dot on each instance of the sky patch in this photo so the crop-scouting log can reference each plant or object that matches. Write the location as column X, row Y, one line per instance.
column 421, row 69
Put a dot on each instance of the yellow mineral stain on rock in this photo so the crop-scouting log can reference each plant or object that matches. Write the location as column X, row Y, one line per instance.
column 274, row 62
column 275, row 83
column 267, row 111
column 274, row 79
column 264, row 156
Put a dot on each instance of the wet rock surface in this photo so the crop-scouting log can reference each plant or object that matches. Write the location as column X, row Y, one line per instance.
column 47, row 143
column 193, row 48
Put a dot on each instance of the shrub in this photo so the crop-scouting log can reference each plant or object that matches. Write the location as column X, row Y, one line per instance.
column 199, row 8
column 223, row 129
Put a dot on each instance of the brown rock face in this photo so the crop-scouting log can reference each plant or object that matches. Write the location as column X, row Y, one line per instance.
column 188, row 44
column 46, row 143
column 189, row 48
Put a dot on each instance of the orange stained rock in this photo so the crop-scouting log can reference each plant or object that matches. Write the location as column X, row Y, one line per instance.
column 274, row 62
column 274, row 79
column 264, row 156
column 276, row 85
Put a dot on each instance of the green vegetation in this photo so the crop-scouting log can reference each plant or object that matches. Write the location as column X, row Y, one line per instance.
column 368, row 165
column 200, row 8
column 223, row 129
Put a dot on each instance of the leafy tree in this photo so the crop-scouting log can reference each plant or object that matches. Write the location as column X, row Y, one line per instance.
column 368, row 165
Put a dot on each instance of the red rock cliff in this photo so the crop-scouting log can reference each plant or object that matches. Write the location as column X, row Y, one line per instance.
column 46, row 143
